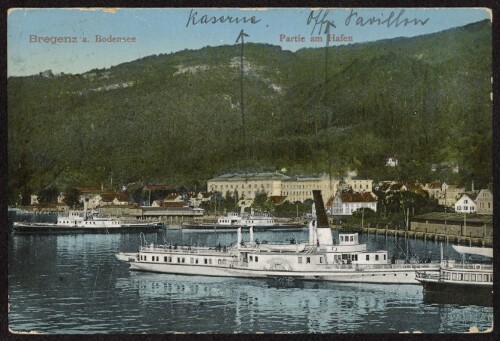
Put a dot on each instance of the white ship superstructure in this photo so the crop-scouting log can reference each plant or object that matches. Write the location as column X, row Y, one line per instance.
column 317, row 259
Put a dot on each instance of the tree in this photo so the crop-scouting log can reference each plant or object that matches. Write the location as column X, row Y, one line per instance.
column 262, row 202
column 72, row 197
column 48, row 195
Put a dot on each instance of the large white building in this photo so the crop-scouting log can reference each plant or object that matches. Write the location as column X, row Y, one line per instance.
column 346, row 203
column 294, row 188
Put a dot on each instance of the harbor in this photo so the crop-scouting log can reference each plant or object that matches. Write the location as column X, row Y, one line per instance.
column 78, row 277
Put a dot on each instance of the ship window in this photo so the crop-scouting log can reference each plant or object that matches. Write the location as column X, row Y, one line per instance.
column 473, row 277
column 251, row 258
column 454, row 277
column 367, row 257
column 466, row 277
column 170, row 259
column 321, row 259
column 256, row 259
column 308, row 260
column 460, row 277
column 341, row 238
column 352, row 238
column 479, row 278
column 355, row 257
column 300, row 260
column 183, row 260
column 178, row 259
column 196, row 261
column 210, row 261
column 376, row 257
column 191, row 260
column 385, row 256
column 491, row 278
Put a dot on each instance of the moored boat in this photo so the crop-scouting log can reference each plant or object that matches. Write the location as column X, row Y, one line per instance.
column 462, row 279
column 84, row 222
column 317, row 259
column 232, row 221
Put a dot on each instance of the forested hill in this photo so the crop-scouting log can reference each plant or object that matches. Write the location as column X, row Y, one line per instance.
column 176, row 117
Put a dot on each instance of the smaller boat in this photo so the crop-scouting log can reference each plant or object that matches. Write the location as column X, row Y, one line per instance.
column 232, row 221
column 464, row 280
column 84, row 222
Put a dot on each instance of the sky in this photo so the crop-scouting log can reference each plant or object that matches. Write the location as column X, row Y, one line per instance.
column 64, row 40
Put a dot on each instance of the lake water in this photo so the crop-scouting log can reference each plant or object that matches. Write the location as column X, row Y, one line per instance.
column 72, row 284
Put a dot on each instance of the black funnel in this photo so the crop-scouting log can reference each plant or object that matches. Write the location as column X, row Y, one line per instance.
column 320, row 209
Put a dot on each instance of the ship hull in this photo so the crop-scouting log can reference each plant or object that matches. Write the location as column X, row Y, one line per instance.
column 219, row 227
column 40, row 228
column 379, row 276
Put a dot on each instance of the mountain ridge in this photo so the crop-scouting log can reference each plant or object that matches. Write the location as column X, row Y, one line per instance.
column 144, row 119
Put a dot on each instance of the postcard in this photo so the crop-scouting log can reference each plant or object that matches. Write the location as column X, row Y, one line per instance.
column 249, row 170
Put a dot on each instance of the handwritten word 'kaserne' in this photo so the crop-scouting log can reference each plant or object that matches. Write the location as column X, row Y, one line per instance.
column 195, row 19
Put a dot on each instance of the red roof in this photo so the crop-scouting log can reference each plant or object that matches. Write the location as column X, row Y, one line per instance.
column 110, row 196
column 435, row 185
column 277, row 199
column 171, row 196
column 357, row 197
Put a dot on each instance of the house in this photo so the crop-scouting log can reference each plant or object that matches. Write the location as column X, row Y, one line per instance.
column 484, row 202
column 345, row 203
column 391, row 162
column 196, row 199
column 466, row 204
column 112, row 198
column 34, row 200
column 435, row 190
column 451, row 194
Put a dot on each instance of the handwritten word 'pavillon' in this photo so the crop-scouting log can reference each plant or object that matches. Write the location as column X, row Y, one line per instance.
column 390, row 21
column 194, row 19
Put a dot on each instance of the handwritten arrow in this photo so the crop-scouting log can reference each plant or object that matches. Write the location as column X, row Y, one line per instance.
column 241, row 36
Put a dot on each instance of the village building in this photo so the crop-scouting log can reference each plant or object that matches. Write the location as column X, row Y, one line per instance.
column 451, row 193
column 435, row 190
column 484, row 202
column 466, row 204
column 247, row 185
column 391, row 162
column 112, row 198
column 195, row 199
column 294, row 188
column 345, row 203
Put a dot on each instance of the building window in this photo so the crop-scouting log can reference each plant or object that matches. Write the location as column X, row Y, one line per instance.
column 308, row 260
column 376, row 257
column 300, row 260
column 251, row 258
column 205, row 260
column 367, row 257
column 178, row 259
column 210, row 261
column 256, row 259
column 196, row 261
column 165, row 259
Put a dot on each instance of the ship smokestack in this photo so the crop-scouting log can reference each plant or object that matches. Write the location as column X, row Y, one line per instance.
column 320, row 209
column 239, row 238
column 251, row 234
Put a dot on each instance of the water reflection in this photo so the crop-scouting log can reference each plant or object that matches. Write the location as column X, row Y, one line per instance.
column 73, row 284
